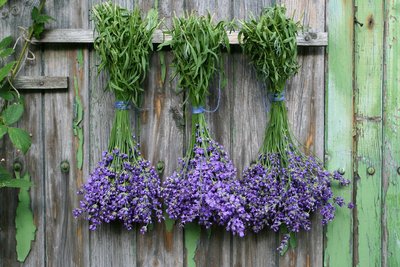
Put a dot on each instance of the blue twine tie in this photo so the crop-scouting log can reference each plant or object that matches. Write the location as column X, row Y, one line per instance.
column 122, row 105
column 277, row 97
column 198, row 110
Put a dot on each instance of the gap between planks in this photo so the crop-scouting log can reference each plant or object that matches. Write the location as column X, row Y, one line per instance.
column 87, row 36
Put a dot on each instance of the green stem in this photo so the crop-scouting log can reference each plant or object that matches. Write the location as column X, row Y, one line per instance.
column 25, row 46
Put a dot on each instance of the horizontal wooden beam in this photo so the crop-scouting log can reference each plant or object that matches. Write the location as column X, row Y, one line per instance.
column 81, row 36
column 40, row 83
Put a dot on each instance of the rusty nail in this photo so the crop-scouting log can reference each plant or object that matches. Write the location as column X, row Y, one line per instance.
column 371, row 170
column 14, row 10
column 398, row 170
column 17, row 166
column 341, row 171
column 64, row 166
column 160, row 167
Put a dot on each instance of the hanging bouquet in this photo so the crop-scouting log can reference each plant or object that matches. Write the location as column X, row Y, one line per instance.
column 284, row 186
column 203, row 188
column 123, row 186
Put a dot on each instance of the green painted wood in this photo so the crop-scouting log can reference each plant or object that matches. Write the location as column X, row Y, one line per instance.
column 368, row 135
column 338, row 129
column 391, row 139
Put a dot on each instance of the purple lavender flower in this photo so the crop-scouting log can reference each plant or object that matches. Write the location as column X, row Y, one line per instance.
column 204, row 188
column 129, row 192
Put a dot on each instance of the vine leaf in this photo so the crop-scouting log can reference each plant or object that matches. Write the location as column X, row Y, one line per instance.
column 25, row 226
column 2, row 2
column 3, row 130
column 19, row 138
column 13, row 113
column 6, row 69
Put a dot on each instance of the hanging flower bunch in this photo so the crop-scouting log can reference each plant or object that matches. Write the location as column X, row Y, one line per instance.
column 204, row 186
column 123, row 186
column 284, row 186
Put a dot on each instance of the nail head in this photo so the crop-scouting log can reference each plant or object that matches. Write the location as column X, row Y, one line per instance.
column 341, row 171
column 370, row 170
column 64, row 166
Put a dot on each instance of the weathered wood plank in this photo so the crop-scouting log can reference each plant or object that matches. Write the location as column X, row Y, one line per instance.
column 391, row 139
column 306, row 114
column 368, row 139
column 111, row 244
column 85, row 36
column 32, row 162
column 40, row 82
column 66, row 238
column 248, row 121
column 161, row 141
column 338, row 129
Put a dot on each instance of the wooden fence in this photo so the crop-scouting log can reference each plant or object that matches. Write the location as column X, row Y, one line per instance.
column 343, row 105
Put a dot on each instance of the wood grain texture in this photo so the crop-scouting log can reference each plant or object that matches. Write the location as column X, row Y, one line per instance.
column 40, row 83
column 306, row 114
column 339, row 129
column 32, row 162
column 368, row 139
column 86, row 36
column 65, row 237
column 161, row 141
column 391, row 139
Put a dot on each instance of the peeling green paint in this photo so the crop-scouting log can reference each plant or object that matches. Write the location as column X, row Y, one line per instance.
column 391, row 136
column 77, row 127
column 163, row 67
column 79, row 58
column 192, row 237
column 368, row 140
column 24, row 224
column 339, row 129
column 169, row 224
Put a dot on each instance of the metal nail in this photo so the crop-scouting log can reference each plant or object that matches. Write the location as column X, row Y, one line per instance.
column 341, row 171
column 307, row 37
column 64, row 166
column 14, row 10
column 398, row 170
column 41, row 83
column 17, row 166
column 371, row 170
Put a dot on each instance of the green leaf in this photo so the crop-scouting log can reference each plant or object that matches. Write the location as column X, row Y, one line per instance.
column 24, row 224
column 6, row 41
column 13, row 183
column 20, row 139
column 3, row 130
column 7, row 95
column 35, row 13
column 12, row 113
column 4, row 71
column 6, row 52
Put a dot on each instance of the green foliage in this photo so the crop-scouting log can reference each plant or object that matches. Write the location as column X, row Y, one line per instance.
column 39, row 21
column 2, row 2
column 20, row 138
column 6, row 180
column 197, row 47
column 12, row 113
column 24, row 224
column 123, row 43
column 270, row 42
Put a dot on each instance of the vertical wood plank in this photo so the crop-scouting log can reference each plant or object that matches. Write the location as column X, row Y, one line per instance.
column 32, row 162
column 110, row 244
column 391, row 138
column 306, row 115
column 338, row 129
column 248, row 120
column 368, row 115
column 161, row 141
column 66, row 239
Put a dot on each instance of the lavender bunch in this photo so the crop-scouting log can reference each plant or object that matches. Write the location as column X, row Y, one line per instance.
column 203, row 188
column 284, row 187
column 123, row 186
